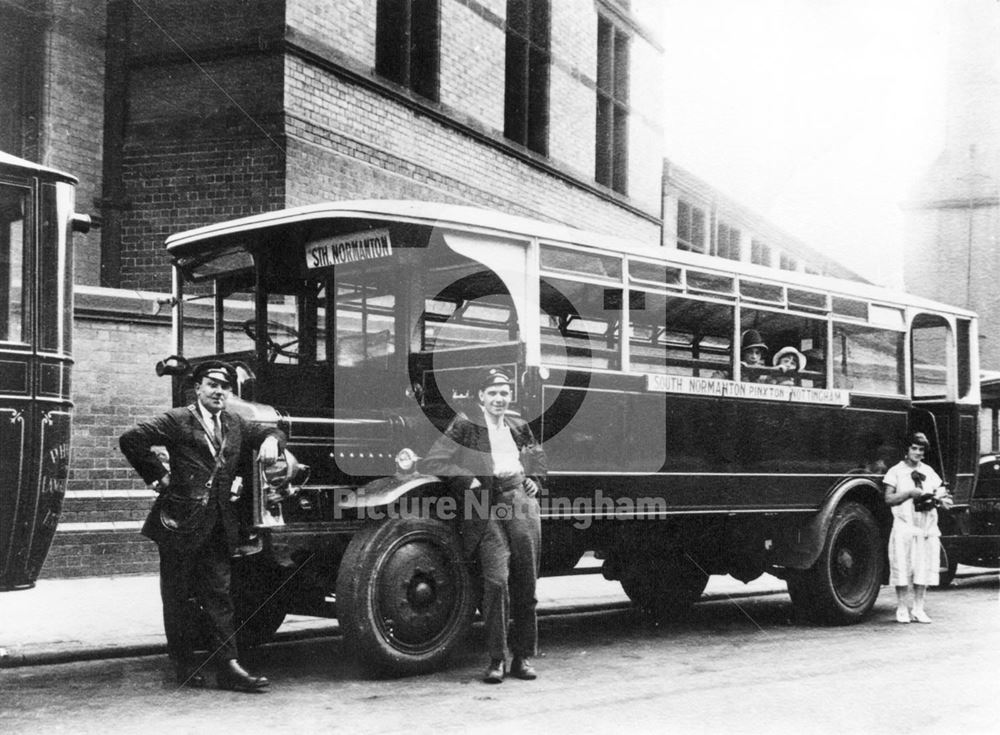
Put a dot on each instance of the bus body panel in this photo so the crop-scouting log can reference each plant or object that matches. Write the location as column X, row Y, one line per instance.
column 363, row 325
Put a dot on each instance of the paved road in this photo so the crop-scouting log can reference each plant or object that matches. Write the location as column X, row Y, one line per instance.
column 743, row 666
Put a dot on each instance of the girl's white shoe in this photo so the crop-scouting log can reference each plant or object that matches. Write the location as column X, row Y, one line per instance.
column 919, row 616
column 902, row 615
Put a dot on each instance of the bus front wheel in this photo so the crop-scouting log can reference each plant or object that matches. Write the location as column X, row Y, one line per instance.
column 404, row 595
column 843, row 584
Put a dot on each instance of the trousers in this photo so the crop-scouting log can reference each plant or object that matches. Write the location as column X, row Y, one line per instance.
column 204, row 574
column 508, row 553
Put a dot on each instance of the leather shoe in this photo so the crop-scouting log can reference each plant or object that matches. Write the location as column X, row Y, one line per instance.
column 189, row 675
column 522, row 669
column 235, row 678
column 494, row 672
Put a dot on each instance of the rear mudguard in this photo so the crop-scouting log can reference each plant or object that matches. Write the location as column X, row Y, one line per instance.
column 803, row 549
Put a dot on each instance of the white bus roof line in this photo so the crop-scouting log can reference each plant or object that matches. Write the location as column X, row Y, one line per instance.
column 475, row 219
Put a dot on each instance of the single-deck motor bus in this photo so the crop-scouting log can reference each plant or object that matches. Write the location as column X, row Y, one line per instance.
column 36, row 320
column 358, row 328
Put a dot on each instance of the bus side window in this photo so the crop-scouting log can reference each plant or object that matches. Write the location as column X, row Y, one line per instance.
column 580, row 324
column 672, row 335
column 867, row 359
column 780, row 330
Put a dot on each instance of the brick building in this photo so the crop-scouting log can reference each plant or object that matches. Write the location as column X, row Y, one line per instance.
column 699, row 218
column 953, row 214
column 179, row 113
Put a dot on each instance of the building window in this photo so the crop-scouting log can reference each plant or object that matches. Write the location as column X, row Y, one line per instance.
column 690, row 227
column 611, row 151
column 788, row 262
column 407, row 40
column 727, row 242
column 760, row 253
column 526, row 96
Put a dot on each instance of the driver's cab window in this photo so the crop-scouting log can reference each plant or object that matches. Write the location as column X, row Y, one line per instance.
column 361, row 329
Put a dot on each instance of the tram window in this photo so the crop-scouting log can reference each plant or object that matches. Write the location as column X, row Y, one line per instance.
column 580, row 324
column 779, row 330
column 13, row 265
column 930, row 338
column 867, row 359
column 54, row 300
column 679, row 336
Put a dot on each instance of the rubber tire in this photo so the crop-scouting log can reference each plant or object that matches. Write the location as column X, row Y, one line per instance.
column 843, row 584
column 663, row 588
column 419, row 561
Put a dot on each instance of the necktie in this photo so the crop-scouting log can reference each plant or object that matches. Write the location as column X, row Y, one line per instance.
column 217, row 429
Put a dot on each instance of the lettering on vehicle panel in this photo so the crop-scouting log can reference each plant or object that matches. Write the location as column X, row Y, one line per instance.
column 353, row 248
column 722, row 388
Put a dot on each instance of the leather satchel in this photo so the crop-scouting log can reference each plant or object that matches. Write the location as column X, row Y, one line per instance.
column 179, row 514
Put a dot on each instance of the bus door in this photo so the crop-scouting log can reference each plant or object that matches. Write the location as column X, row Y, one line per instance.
column 940, row 378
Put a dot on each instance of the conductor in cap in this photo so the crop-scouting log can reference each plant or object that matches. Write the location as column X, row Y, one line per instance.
column 490, row 459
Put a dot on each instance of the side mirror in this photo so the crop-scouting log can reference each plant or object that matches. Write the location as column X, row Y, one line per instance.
column 173, row 365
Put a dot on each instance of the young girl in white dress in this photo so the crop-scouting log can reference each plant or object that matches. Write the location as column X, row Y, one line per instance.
column 914, row 543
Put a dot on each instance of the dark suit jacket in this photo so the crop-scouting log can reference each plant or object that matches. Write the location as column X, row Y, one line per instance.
column 189, row 505
column 462, row 454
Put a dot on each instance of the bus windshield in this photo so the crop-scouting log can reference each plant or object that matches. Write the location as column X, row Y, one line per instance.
column 368, row 310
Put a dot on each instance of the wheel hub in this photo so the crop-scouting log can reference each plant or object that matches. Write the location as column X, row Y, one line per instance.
column 416, row 593
column 420, row 591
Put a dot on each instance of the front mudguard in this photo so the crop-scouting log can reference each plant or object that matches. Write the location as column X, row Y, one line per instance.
column 803, row 547
column 387, row 490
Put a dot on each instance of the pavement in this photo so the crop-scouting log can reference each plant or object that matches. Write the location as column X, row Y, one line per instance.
column 63, row 620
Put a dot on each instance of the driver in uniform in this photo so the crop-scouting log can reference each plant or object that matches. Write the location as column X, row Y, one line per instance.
column 194, row 522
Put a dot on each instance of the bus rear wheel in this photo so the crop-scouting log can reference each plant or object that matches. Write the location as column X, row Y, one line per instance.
column 843, row 584
column 663, row 588
column 404, row 595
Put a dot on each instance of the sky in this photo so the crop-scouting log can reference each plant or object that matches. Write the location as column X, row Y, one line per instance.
column 819, row 115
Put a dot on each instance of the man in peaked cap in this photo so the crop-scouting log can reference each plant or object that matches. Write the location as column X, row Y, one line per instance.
column 495, row 454
column 193, row 521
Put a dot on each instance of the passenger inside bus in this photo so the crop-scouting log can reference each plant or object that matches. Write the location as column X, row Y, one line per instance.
column 789, row 361
column 752, row 351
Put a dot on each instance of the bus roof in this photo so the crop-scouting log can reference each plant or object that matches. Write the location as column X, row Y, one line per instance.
column 474, row 219
column 6, row 159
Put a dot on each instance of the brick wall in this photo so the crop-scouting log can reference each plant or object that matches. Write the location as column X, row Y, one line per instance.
column 118, row 339
column 73, row 113
column 472, row 60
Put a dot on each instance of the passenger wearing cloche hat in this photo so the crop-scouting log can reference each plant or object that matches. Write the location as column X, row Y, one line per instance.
column 789, row 359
